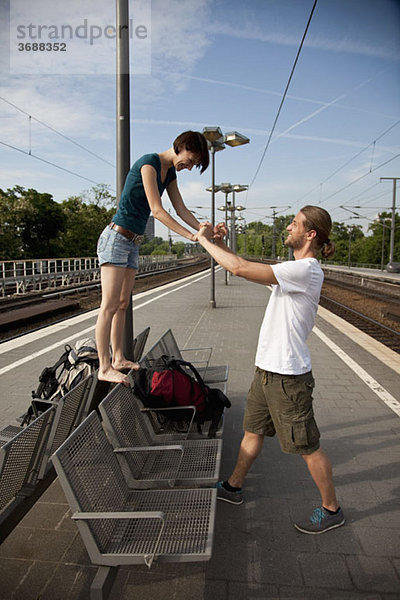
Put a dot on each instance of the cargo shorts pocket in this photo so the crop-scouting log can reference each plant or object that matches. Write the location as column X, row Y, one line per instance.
column 305, row 434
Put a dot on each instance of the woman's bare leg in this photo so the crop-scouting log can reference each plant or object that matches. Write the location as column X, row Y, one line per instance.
column 112, row 279
column 119, row 361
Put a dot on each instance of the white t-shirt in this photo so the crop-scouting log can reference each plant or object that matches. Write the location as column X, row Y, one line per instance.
column 290, row 317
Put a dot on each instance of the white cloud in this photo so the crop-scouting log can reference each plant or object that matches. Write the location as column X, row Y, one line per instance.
column 180, row 37
column 345, row 45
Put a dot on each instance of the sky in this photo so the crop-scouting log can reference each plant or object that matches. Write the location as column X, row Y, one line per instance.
column 201, row 63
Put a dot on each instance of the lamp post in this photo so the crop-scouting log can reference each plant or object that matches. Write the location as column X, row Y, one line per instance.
column 241, row 228
column 216, row 142
column 123, row 133
column 382, row 222
column 236, row 189
column 227, row 189
column 230, row 207
column 393, row 226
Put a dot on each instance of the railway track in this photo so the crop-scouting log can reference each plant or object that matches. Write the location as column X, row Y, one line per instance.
column 337, row 297
column 20, row 315
column 380, row 332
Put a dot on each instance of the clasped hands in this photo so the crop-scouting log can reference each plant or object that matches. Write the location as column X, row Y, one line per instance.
column 211, row 233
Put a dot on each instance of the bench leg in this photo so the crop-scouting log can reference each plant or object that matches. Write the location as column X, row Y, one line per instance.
column 102, row 583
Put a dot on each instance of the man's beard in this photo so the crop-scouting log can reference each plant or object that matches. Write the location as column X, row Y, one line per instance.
column 294, row 244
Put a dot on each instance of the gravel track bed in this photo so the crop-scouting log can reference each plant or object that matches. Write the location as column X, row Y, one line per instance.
column 371, row 307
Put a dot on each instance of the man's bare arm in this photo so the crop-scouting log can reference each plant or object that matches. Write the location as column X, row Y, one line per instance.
column 256, row 272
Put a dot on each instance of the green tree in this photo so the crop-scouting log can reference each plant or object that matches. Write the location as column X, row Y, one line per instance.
column 161, row 249
column 83, row 225
column 31, row 223
column 178, row 248
column 100, row 195
column 380, row 231
column 149, row 245
column 10, row 244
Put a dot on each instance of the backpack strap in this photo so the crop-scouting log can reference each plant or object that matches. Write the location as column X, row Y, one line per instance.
column 47, row 378
column 177, row 363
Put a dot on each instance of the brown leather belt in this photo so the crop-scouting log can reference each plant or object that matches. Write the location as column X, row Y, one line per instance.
column 136, row 238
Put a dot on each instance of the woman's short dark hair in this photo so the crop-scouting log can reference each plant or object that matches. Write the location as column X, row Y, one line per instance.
column 195, row 142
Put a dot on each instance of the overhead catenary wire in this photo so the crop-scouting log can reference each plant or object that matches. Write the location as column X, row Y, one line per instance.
column 359, row 178
column 54, row 131
column 373, row 143
column 48, row 162
column 284, row 94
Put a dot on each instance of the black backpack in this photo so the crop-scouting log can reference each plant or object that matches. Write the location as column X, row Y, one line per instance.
column 74, row 365
column 173, row 382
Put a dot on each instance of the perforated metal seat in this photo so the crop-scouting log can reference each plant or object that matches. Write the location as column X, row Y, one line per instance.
column 119, row 525
column 8, row 433
column 167, row 344
column 21, row 458
column 139, row 343
column 71, row 409
column 154, row 461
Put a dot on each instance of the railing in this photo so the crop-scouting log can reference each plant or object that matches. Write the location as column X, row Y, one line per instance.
column 23, row 276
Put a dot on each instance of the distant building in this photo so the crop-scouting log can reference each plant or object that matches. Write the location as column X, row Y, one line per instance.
column 149, row 231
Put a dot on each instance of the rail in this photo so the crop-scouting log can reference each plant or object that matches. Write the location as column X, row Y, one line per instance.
column 23, row 276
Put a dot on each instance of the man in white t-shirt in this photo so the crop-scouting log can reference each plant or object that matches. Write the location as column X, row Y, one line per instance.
column 280, row 398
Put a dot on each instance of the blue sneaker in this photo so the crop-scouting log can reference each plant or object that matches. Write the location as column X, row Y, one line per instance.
column 226, row 496
column 321, row 521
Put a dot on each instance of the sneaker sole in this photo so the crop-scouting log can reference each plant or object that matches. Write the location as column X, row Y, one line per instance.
column 321, row 531
column 229, row 501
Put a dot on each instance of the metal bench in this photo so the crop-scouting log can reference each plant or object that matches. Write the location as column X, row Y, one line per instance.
column 71, row 409
column 25, row 469
column 174, row 430
column 21, row 458
column 121, row 526
column 148, row 460
column 167, row 345
column 139, row 343
column 8, row 433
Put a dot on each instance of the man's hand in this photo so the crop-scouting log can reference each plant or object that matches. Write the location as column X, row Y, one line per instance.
column 204, row 224
column 206, row 231
column 220, row 231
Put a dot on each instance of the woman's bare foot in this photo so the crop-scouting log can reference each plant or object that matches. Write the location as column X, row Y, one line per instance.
column 112, row 375
column 120, row 365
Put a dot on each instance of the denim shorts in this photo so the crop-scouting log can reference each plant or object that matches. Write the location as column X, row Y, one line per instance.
column 282, row 404
column 114, row 248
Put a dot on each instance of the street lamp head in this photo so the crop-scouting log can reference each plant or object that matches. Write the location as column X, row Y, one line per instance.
column 222, row 208
column 233, row 138
column 212, row 134
column 216, row 146
column 226, row 188
column 216, row 188
column 240, row 207
column 240, row 188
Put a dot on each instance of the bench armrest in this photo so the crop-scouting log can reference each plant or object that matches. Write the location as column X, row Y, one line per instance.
column 167, row 448
column 206, row 353
column 150, row 448
column 122, row 515
column 90, row 516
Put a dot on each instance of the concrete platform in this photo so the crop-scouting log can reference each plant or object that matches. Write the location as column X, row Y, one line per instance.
column 257, row 553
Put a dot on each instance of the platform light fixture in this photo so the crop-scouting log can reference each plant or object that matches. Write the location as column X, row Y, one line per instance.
column 216, row 142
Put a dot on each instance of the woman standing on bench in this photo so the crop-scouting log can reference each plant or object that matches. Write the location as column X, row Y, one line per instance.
column 118, row 244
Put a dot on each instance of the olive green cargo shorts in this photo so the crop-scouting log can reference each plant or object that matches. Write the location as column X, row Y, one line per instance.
column 282, row 404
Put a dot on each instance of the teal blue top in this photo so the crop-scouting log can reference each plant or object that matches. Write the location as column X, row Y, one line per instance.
column 134, row 210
